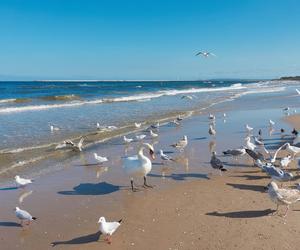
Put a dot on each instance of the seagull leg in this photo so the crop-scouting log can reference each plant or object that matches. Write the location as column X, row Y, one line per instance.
column 274, row 213
column 108, row 239
column 145, row 183
column 286, row 211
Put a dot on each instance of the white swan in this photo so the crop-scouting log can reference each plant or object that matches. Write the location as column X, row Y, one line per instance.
column 139, row 165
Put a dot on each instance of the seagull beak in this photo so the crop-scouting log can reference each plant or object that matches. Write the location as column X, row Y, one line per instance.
column 151, row 152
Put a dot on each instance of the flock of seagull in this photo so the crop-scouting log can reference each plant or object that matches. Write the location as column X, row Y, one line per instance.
column 140, row 165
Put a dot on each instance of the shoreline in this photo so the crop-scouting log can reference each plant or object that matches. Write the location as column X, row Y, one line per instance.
column 191, row 206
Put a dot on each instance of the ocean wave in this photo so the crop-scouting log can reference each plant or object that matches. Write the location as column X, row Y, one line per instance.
column 7, row 100
column 139, row 97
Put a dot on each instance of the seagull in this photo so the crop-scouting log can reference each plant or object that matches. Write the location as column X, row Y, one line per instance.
column 52, row 128
column 181, row 144
column 22, row 181
column 271, row 123
column 298, row 91
column 235, row 152
column 282, row 196
column 65, row 144
column 296, row 140
column 164, row 156
column 211, row 117
column 255, row 155
column 284, row 162
column 224, row 115
column 277, row 173
column 137, row 125
column 79, row 145
column 292, row 149
column 108, row 228
column 99, row 158
column 248, row 128
column 98, row 125
column 24, row 216
column 179, row 118
column 140, row 137
column 153, row 135
column 155, row 126
column 249, row 144
column 212, row 130
column 127, row 140
column 216, row 163
column 286, row 109
column 175, row 122
column 205, row 54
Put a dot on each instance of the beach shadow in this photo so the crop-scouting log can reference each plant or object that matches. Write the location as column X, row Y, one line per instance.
column 85, row 239
column 89, row 165
column 237, row 164
column 8, row 188
column 256, row 188
column 181, row 177
column 101, row 188
column 243, row 214
column 9, row 224
column 252, row 177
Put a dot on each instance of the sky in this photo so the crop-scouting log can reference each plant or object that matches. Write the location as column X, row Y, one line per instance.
column 137, row 39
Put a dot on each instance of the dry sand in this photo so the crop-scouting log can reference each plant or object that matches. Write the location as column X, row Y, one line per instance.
column 229, row 211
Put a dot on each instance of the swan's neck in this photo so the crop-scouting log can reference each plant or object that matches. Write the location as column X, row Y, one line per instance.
column 141, row 154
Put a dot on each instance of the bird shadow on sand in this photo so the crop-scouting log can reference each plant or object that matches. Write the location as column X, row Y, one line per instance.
column 256, row 188
column 237, row 164
column 243, row 214
column 8, row 188
column 181, row 177
column 85, row 239
column 9, row 224
column 101, row 188
column 253, row 177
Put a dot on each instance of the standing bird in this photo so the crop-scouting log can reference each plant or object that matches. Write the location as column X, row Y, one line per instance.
column 140, row 137
column 216, row 163
column 99, row 158
column 181, row 144
column 165, row 157
column 271, row 123
column 108, row 228
column 139, row 165
column 211, row 117
column 127, row 140
column 212, row 131
column 137, row 125
column 282, row 196
column 22, row 182
column 285, row 161
column 249, row 144
column 248, row 128
column 205, row 54
column 24, row 216
column 235, row 152
column 52, row 128
column 153, row 135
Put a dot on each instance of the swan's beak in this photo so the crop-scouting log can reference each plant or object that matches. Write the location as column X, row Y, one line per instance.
column 151, row 152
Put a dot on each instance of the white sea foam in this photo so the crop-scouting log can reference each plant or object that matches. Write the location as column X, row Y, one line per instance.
column 7, row 100
column 138, row 97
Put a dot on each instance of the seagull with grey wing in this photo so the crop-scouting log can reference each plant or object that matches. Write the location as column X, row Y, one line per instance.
column 24, row 216
column 216, row 163
column 235, row 152
column 282, row 196
column 277, row 173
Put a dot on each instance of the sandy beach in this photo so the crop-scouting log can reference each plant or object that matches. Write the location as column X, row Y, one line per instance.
column 191, row 206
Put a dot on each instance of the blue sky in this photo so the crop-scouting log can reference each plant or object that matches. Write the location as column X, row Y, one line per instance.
column 136, row 39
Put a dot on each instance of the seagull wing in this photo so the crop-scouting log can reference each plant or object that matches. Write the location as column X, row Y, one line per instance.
column 199, row 53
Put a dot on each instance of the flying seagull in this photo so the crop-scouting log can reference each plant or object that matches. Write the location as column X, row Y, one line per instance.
column 205, row 54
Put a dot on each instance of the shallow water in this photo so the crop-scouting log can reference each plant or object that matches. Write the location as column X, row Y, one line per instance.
column 26, row 124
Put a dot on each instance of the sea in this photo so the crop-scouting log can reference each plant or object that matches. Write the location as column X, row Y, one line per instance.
column 28, row 109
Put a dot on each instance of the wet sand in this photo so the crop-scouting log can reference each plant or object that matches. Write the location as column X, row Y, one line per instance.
column 190, row 207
